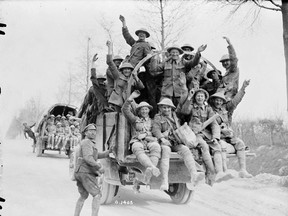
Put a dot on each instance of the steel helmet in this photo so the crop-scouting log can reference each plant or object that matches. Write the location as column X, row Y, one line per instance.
column 201, row 90
column 126, row 65
column 101, row 76
column 224, row 58
column 167, row 102
column 117, row 57
column 175, row 47
column 143, row 104
column 219, row 94
column 142, row 30
column 187, row 46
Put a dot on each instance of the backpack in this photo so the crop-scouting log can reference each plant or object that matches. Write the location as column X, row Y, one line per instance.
column 73, row 161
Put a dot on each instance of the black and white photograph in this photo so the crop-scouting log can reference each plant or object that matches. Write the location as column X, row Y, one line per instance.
column 144, row 107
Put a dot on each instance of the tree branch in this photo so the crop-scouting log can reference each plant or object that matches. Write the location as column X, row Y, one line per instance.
column 262, row 6
column 277, row 5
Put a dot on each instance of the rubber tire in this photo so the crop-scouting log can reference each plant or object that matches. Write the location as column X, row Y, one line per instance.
column 109, row 191
column 182, row 195
column 39, row 150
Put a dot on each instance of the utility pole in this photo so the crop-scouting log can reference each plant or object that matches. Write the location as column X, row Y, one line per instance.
column 88, row 65
column 70, row 85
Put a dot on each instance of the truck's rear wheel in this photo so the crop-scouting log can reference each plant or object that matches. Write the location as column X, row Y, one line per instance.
column 39, row 146
column 109, row 191
column 179, row 193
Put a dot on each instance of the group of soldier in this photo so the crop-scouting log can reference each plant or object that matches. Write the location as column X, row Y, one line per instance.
column 175, row 89
column 60, row 130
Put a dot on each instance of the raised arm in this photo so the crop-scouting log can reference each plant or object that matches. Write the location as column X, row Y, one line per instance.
column 232, row 53
column 231, row 105
column 111, row 64
column 187, row 104
column 127, row 107
column 196, row 58
column 127, row 36
column 93, row 77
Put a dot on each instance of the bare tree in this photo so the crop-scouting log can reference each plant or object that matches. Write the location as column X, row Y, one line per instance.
column 30, row 113
column 112, row 35
column 274, row 6
column 167, row 19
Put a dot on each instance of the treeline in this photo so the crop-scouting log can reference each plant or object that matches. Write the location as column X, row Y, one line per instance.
column 30, row 113
column 266, row 131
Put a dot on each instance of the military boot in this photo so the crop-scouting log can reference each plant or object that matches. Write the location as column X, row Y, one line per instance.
column 189, row 161
column 164, row 167
column 224, row 160
column 242, row 163
column 154, row 160
column 210, row 166
column 150, row 168
column 220, row 175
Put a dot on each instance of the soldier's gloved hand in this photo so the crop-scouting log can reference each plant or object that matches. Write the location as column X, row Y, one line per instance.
column 122, row 18
column 227, row 39
column 246, row 83
column 108, row 43
column 95, row 57
column 101, row 169
column 191, row 93
column 202, row 48
column 182, row 78
column 134, row 94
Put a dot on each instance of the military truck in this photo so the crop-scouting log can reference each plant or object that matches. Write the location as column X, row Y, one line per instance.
column 56, row 109
column 122, row 167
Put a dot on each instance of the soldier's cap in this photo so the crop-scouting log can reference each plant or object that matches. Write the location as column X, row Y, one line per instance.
column 58, row 116
column 126, row 65
column 89, row 127
column 187, row 46
column 63, row 117
column 209, row 73
column 175, row 47
column 219, row 94
column 201, row 90
column 72, row 126
column 52, row 116
column 167, row 102
column 143, row 104
column 101, row 76
column 117, row 57
column 224, row 58
column 58, row 123
column 68, row 115
column 142, row 30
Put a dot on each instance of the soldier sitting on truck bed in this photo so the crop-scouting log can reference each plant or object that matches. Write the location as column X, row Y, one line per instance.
column 142, row 138
column 163, row 126
column 229, row 142
column 50, row 131
column 208, row 138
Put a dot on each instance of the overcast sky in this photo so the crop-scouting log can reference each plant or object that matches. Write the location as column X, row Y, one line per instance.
column 44, row 39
